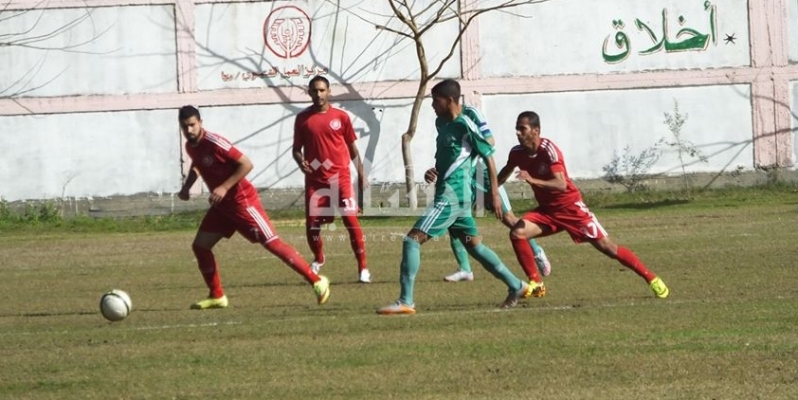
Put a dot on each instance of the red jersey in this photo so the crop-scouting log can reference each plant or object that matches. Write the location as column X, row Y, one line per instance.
column 542, row 165
column 216, row 159
column 325, row 138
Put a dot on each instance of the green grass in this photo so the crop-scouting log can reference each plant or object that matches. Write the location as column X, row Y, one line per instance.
column 727, row 331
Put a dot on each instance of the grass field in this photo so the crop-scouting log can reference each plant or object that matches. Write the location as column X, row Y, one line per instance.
column 729, row 330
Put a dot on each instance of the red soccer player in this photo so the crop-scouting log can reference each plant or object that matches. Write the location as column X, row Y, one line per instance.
column 324, row 144
column 235, row 206
column 560, row 206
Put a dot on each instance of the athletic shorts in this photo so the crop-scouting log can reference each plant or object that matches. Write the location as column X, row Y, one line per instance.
column 319, row 199
column 441, row 216
column 247, row 218
column 575, row 219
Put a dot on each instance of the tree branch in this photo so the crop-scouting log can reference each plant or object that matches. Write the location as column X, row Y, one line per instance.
column 404, row 19
column 387, row 29
column 473, row 14
column 27, row 38
column 447, row 6
column 501, row 7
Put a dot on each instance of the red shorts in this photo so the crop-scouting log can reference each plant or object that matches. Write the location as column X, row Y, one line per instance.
column 319, row 200
column 575, row 219
column 247, row 218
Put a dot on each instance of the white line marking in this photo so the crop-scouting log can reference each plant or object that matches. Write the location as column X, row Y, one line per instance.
column 181, row 326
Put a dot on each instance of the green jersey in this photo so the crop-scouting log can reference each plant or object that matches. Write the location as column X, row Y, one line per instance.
column 481, row 177
column 459, row 142
column 479, row 119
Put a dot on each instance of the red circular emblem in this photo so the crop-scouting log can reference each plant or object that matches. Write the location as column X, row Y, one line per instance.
column 286, row 31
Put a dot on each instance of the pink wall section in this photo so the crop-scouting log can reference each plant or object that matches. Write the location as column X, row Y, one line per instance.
column 770, row 87
column 186, row 47
column 769, row 76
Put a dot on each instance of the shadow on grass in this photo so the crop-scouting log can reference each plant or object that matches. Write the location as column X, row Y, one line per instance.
column 45, row 314
column 648, row 205
column 49, row 314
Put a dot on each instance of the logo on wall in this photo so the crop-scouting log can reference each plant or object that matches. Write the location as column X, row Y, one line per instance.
column 286, row 31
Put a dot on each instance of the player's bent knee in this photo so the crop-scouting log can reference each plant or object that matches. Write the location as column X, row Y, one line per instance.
column 517, row 233
column 470, row 241
column 608, row 248
column 197, row 248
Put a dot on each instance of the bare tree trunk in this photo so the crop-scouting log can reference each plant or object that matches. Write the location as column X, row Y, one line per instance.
column 407, row 149
column 407, row 137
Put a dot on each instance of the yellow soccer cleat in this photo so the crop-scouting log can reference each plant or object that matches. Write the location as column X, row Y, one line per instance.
column 322, row 289
column 210, row 302
column 538, row 289
column 535, row 290
column 659, row 288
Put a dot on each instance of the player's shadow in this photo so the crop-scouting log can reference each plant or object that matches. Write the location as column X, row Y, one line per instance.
column 649, row 205
column 46, row 314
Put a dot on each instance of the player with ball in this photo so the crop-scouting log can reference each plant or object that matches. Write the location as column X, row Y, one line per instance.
column 235, row 207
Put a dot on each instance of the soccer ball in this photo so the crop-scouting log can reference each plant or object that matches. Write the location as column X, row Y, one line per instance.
column 115, row 305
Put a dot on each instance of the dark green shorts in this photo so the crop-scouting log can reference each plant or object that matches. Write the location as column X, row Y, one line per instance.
column 442, row 217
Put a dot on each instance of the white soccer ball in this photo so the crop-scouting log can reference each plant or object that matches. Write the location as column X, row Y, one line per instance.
column 115, row 305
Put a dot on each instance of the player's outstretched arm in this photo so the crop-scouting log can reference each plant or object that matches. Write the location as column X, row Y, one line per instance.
column 557, row 183
column 505, row 173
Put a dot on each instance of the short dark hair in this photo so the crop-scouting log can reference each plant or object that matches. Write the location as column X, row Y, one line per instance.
column 319, row 78
column 532, row 117
column 447, row 88
column 187, row 112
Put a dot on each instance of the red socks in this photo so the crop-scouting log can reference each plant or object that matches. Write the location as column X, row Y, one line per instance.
column 292, row 258
column 210, row 272
column 313, row 235
column 356, row 239
column 630, row 260
column 526, row 258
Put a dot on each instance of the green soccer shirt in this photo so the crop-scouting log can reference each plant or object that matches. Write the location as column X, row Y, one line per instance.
column 458, row 143
column 481, row 178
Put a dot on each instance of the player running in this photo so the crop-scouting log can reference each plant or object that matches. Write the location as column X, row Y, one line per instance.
column 235, row 206
column 481, row 190
column 457, row 143
column 560, row 208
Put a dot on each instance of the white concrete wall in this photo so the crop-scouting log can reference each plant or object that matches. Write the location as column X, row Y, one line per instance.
column 91, row 154
column 568, row 37
column 792, row 18
column 230, row 42
column 590, row 127
column 114, row 50
column 792, row 25
column 794, row 119
column 92, row 109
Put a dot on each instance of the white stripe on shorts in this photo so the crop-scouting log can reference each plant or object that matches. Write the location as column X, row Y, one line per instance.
column 433, row 216
column 264, row 227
